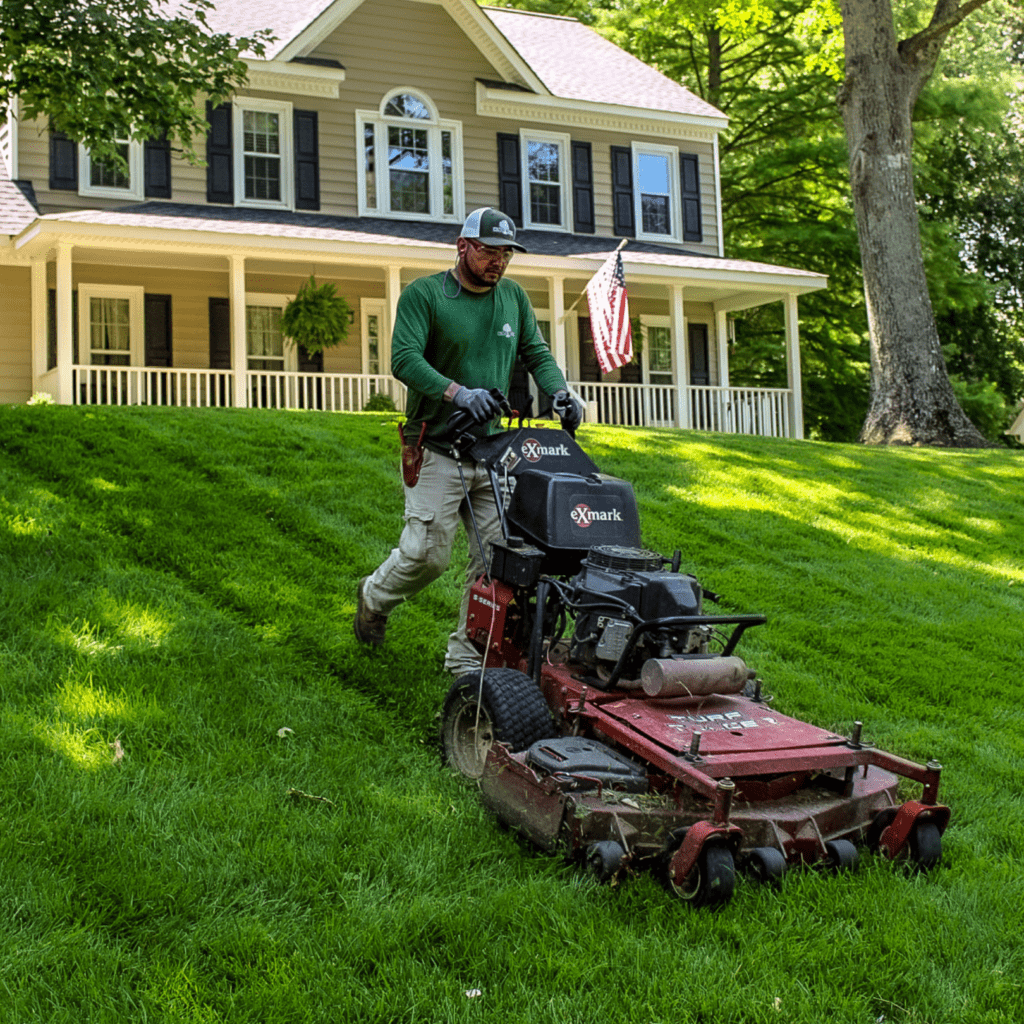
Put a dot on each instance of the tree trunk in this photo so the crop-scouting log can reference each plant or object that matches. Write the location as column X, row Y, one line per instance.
column 912, row 401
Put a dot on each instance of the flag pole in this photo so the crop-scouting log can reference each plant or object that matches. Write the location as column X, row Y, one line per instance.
column 561, row 319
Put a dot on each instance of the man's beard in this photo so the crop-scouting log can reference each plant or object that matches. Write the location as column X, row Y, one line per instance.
column 474, row 279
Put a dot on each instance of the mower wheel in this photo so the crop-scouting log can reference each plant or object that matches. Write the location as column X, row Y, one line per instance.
column 879, row 823
column 841, row 855
column 925, row 845
column 604, row 859
column 766, row 864
column 710, row 881
column 507, row 707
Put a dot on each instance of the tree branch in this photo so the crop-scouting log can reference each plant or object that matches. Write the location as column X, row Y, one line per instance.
column 946, row 16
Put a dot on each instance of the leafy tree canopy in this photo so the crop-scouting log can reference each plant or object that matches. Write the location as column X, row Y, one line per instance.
column 106, row 69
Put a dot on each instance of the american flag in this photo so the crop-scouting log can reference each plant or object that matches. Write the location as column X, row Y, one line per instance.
column 609, row 315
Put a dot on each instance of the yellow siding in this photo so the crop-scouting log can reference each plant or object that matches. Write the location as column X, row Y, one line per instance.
column 385, row 44
column 15, row 335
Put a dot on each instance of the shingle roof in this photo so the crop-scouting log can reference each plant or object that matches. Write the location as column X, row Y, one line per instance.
column 17, row 204
column 410, row 234
column 598, row 70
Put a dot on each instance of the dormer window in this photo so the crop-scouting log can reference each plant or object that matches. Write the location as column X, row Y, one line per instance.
column 410, row 160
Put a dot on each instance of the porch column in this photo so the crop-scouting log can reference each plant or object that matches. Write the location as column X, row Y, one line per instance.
column 722, row 334
column 556, row 304
column 65, row 328
column 680, row 355
column 39, row 305
column 796, row 397
column 239, row 351
column 392, row 290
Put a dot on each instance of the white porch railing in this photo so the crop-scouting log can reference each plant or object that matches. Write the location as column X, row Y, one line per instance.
column 763, row 412
column 264, row 389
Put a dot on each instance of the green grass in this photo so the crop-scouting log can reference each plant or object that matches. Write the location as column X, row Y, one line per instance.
column 179, row 586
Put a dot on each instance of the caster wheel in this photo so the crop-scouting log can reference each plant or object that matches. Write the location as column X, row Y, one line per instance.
column 841, row 855
column 925, row 845
column 711, row 879
column 766, row 864
column 604, row 859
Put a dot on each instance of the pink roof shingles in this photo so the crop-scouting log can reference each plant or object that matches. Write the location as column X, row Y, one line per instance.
column 598, row 71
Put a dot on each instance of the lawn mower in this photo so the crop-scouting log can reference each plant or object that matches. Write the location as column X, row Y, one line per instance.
column 613, row 719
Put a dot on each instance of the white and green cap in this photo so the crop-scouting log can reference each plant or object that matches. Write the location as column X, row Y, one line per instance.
column 492, row 227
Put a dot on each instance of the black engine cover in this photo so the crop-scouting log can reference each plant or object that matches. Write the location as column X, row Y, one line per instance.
column 654, row 594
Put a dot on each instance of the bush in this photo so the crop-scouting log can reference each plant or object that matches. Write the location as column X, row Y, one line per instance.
column 985, row 406
column 380, row 402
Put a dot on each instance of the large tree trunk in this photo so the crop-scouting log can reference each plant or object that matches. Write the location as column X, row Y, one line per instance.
column 912, row 401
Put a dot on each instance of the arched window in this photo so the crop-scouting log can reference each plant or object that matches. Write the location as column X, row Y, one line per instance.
column 410, row 160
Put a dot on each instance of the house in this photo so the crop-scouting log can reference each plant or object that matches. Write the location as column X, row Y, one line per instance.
column 362, row 139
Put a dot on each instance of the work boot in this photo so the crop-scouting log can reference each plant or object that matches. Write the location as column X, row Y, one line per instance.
column 370, row 626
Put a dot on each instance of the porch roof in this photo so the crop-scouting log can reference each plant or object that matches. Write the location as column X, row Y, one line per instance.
column 266, row 232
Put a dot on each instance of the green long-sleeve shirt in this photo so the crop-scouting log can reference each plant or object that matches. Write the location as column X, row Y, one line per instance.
column 472, row 339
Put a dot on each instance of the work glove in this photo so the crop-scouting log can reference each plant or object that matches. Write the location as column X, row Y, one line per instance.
column 479, row 403
column 567, row 409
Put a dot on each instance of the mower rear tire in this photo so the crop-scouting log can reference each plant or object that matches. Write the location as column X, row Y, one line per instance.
column 507, row 708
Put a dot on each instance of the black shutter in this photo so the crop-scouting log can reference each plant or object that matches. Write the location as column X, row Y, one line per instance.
column 158, row 330
column 156, row 156
column 63, row 162
column 51, row 327
column 689, row 172
column 510, row 178
column 700, row 373
column 582, row 189
column 590, row 368
column 622, row 191
column 220, row 334
column 220, row 167
column 307, row 161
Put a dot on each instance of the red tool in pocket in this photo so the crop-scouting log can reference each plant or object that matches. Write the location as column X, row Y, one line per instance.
column 412, row 456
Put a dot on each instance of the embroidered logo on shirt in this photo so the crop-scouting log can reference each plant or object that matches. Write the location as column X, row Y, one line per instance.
column 506, row 332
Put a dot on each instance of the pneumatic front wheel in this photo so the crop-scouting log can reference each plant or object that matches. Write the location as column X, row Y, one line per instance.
column 505, row 707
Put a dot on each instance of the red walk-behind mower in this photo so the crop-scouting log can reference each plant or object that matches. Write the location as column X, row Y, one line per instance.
column 614, row 721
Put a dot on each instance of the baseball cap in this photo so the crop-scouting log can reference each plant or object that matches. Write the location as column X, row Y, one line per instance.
column 492, row 227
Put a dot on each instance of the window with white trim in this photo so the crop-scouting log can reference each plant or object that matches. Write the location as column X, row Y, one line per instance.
column 263, row 153
column 108, row 180
column 545, row 179
column 656, row 192
column 266, row 346
column 111, row 324
column 657, row 349
column 410, row 163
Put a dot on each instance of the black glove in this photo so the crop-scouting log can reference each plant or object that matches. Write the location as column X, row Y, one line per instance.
column 479, row 403
column 568, row 410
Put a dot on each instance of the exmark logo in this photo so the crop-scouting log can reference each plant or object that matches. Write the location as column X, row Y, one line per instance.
column 534, row 451
column 583, row 515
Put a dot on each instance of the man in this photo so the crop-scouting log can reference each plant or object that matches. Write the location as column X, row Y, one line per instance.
column 456, row 336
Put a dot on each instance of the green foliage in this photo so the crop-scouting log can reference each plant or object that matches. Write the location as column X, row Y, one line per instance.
column 99, row 70
column 179, row 685
column 379, row 402
column 317, row 318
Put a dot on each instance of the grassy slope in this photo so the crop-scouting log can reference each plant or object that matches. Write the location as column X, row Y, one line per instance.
column 181, row 584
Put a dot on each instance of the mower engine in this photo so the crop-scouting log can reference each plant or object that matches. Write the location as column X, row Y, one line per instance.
column 617, row 589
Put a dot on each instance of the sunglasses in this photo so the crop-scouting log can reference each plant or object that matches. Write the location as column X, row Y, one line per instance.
column 489, row 252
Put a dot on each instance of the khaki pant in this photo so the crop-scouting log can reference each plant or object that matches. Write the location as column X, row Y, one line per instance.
column 433, row 510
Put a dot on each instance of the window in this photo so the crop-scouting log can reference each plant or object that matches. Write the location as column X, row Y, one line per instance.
column 545, row 174
column 111, row 324
column 375, row 343
column 656, row 175
column 266, row 346
column 108, row 180
column 263, row 153
column 657, row 349
column 411, row 164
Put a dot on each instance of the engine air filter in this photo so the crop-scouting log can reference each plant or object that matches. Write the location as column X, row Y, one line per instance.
column 612, row 556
